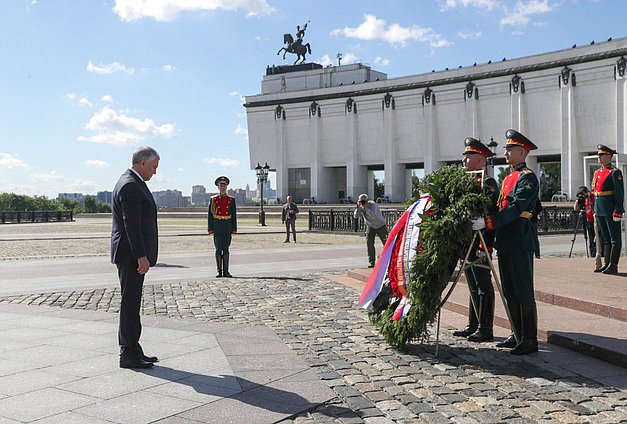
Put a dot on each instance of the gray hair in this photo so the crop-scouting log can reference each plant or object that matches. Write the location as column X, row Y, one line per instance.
column 145, row 153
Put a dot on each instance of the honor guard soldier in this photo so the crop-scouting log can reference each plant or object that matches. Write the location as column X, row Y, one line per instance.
column 222, row 223
column 516, row 245
column 479, row 328
column 607, row 184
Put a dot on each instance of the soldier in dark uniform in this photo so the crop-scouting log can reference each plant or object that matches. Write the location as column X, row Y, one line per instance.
column 222, row 223
column 515, row 243
column 479, row 279
column 607, row 184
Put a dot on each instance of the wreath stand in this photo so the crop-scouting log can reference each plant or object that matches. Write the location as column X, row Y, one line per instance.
column 483, row 261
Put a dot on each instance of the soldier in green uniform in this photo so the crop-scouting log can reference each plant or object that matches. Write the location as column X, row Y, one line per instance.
column 608, row 187
column 479, row 279
column 222, row 223
column 515, row 243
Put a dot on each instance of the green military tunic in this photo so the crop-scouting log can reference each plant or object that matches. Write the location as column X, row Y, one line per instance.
column 480, row 279
column 515, row 238
column 222, row 221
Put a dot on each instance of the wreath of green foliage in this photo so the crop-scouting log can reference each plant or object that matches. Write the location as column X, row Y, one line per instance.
column 456, row 200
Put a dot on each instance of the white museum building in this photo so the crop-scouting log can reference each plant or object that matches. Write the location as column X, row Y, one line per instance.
column 325, row 131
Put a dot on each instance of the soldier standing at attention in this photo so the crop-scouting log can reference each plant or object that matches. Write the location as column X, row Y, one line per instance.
column 515, row 242
column 479, row 279
column 607, row 184
column 222, row 223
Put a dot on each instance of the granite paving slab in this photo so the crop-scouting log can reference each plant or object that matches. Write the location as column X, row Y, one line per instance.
column 67, row 371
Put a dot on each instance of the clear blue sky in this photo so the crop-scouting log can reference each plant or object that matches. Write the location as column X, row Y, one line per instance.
column 83, row 83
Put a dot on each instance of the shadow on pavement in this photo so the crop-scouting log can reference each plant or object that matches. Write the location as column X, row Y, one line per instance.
column 164, row 265
column 240, row 389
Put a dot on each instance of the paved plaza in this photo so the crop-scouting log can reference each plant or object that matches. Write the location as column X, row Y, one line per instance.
column 281, row 342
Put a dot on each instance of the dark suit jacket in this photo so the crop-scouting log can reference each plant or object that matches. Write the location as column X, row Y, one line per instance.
column 134, row 231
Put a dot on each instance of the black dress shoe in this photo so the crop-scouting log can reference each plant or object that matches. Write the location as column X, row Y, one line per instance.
column 525, row 347
column 134, row 363
column 149, row 358
column 612, row 269
column 481, row 336
column 465, row 332
column 509, row 342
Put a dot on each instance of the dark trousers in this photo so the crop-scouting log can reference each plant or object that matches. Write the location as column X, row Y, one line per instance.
column 290, row 223
column 479, row 279
column 516, row 272
column 610, row 231
column 382, row 232
column 222, row 241
column 592, row 243
column 130, row 329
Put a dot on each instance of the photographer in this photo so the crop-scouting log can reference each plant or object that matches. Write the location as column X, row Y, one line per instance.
column 585, row 203
column 374, row 221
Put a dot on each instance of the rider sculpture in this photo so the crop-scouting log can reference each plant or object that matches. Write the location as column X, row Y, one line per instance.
column 296, row 46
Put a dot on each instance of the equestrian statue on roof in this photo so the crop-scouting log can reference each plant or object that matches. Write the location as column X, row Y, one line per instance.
column 296, row 47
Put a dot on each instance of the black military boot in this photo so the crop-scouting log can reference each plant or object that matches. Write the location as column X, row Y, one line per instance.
column 529, row 342
column 607, row 253
column 486, row 318
column 473, row 323
column 614, row 257
column 225, row 266
column 515, row 324
column 219, row 265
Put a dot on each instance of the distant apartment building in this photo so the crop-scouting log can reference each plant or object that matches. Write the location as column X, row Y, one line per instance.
column 169, row 199
column 105, row 197
column 239, row 194
column 200, row 197
column 72, row 196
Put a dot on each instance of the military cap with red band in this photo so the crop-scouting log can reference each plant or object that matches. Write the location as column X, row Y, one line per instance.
column 514, row 138
column 602, row 149
column 472, row 145
column 222, row 179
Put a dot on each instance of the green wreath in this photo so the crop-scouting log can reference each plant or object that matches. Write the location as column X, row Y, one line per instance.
column 456, row 199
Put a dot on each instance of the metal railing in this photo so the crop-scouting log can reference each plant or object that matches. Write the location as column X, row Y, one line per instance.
column 343, row 220
column 43, row 216
column 552, row 220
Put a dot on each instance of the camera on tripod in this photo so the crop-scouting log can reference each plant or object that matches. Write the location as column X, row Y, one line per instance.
column 581, row 198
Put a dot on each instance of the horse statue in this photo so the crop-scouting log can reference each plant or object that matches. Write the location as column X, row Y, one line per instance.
column 297, row 47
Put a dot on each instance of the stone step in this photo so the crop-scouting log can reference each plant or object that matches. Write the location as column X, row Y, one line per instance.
column 571, row 318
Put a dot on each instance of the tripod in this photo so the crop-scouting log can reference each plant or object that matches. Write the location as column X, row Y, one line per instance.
column 581, row 219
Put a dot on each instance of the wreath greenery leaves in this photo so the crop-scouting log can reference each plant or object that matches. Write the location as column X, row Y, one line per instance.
column 456, row 198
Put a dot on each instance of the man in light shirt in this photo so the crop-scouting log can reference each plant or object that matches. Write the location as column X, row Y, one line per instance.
column 374, row 221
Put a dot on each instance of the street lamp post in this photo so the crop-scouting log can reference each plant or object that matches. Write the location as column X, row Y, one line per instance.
column 262, row 177
column 492, row 145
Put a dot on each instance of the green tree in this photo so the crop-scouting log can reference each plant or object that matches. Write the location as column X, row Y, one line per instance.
column 415, row 189
column 89, row 204
column 550, row 180
column 503, row 172
column 379, row 188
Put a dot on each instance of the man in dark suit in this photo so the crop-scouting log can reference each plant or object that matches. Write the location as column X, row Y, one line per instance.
column 134, row 244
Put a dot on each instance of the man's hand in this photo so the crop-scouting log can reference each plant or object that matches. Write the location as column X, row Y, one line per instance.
column 142, row 265
column 617, row 216
column 209, row 232
column 478, row 223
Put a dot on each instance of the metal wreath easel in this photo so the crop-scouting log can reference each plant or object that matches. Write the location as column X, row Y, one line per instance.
column 482, row 261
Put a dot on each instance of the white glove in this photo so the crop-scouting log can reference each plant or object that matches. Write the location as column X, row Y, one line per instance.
column 617, row 218
column 478, row 223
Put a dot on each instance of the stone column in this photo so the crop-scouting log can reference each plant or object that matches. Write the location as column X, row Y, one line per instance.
column 431, row 162
column 572, row 169
column 394, row 175
column 356, row 174
column 281, row 165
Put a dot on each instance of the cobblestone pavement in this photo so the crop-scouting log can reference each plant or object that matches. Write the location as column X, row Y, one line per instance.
column 374, row 384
